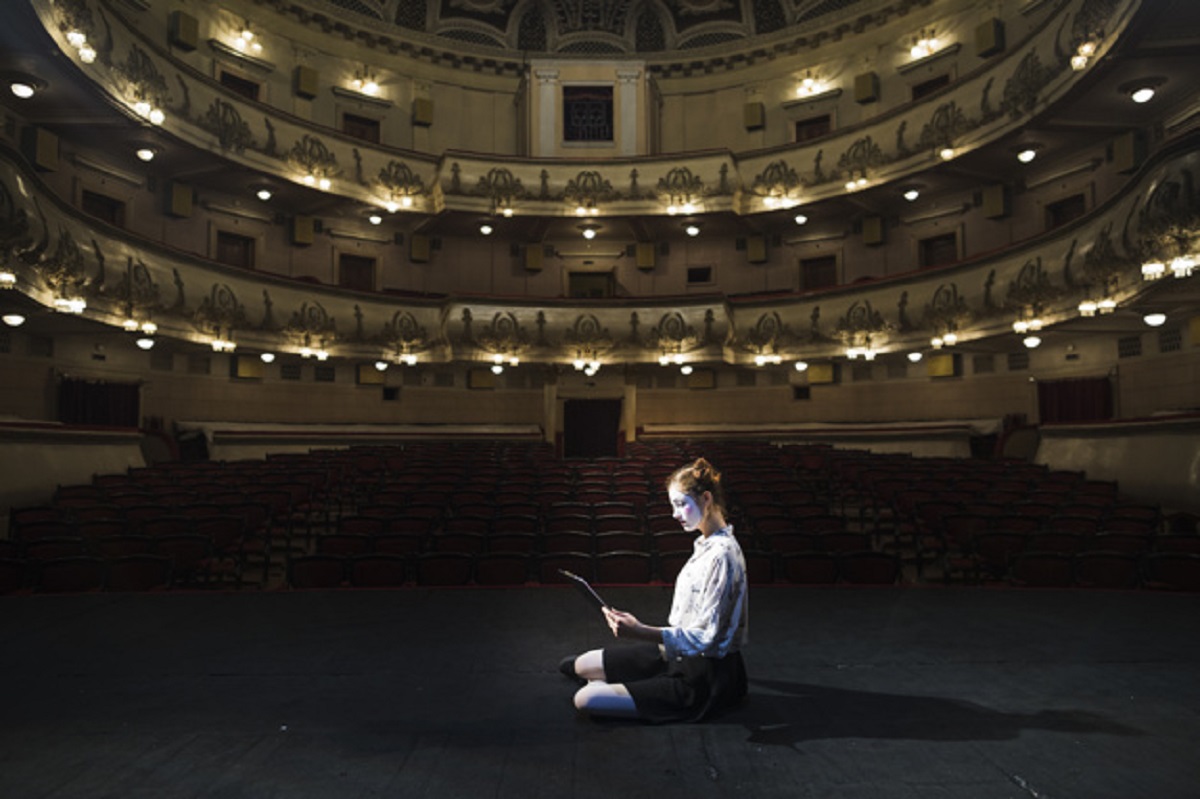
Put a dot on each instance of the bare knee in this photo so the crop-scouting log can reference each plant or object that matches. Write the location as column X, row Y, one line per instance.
column 603, row 699
column 590, row 665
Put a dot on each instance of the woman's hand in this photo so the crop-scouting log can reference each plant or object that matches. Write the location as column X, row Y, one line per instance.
column 622, row 624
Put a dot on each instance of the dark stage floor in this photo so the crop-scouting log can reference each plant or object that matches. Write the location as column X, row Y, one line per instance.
column 413, row 693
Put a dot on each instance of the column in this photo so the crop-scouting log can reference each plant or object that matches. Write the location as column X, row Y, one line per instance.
column 627, row 110
column 547, row 111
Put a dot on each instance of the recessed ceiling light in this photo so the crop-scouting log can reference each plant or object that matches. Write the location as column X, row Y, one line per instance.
column 1155, row 319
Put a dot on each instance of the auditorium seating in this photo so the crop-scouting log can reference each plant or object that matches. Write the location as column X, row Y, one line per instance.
column 499, row 513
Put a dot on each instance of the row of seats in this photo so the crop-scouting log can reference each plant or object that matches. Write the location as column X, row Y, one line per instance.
column 613, row 568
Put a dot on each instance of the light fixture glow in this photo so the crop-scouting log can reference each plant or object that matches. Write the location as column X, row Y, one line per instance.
column 692, row 230
column 149, row 328
column 1153, row 271
column 76, row 38
column 130, row 325
column 801, row 219
column 1106, row 305
column 946, row 153
column 408, row 359
column 1183, row 267
column 87, row 54
column 263, row 194
column 324, row 184
column 686, row 369
column 267, row 357
column 1155, row 319
column 589, row 233
column 381, row 366
column 145, row 343
column 1087, row 308
column 1142, row 95
column 497, row 369
column 1087, row 49
column 322, row 355
column 911, row 195
column 1032, row 342
column 145, row 154
column 21, row 89
column 1026, row 155
column 915, row 357
column 13, row 319
column 801, row 366
column 7, row 280
column 406, row 201
column 485, row 229
column 1079, row 62
column 375, row 219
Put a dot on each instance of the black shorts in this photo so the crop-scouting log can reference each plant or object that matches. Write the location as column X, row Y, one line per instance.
column 683, row 689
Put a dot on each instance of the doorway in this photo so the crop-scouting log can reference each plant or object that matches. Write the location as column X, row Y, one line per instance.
column 591, row 428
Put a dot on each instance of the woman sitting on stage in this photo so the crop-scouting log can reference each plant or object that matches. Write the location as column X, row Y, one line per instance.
column 692, row 667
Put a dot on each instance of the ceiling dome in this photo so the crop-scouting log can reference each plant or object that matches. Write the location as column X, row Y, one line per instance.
column 595, row 27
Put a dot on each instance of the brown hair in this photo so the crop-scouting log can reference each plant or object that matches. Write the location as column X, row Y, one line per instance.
column 698, row 477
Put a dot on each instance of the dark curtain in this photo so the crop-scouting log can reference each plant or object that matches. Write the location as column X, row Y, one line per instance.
column 1088, row 399
column 96, row 402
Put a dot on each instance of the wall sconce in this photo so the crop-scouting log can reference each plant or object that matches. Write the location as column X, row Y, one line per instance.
column 223, row 345
column 78, row 39
column 1083, row 55
column 486, row 229
column 145, row 343
column 801, row 366
column 267, row 357
column 13, row 319
column 686, row 369
column 915, row 357
column 246, row 41
column 70, row 305
column 406, row 359
column 1032, row 342
column 364, row 82
column 146, row 154
column 692, row 229
column 810, row 86
column 1022, row 326
column 381, row 366
column 924, row 45
column 800, row 219
column 1155, row 319
column 586, row 209
column 666, row 359
column 375, row 219
column 765, row 360
column 8, row 280
column 154, row 115
column 1183, row 266
column 946, row 153
column 854, row 184
column 866, row 353
column 323, row 183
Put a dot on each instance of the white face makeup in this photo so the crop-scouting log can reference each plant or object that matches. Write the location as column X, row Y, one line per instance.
column 685, row 509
